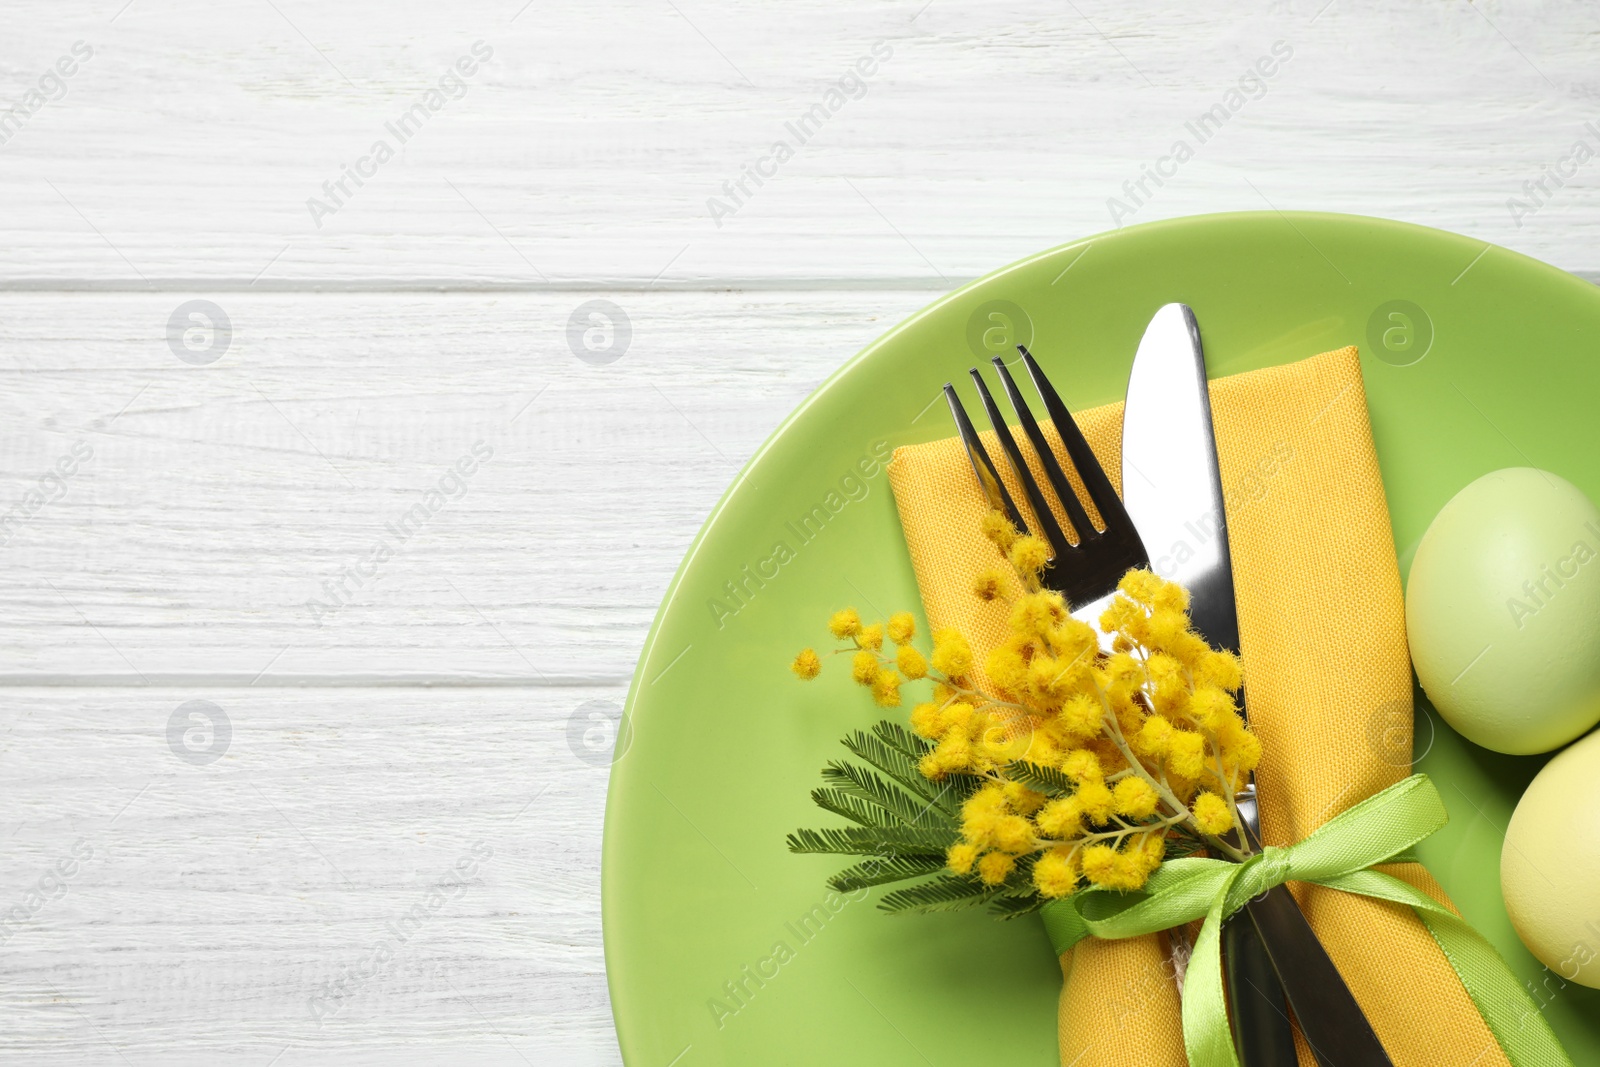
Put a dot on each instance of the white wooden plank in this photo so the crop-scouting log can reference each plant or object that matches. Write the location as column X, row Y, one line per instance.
column 586, row 149
column 219, row 498
column 154, row 910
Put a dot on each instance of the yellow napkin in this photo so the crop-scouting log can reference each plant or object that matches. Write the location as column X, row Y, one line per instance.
column 1327, row 679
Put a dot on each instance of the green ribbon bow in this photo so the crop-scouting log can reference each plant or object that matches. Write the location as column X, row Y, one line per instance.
column 1337, row 855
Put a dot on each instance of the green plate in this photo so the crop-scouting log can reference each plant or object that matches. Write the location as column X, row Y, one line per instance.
column 723, row 948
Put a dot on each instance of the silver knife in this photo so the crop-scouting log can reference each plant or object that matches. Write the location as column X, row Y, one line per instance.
column 1172, row 488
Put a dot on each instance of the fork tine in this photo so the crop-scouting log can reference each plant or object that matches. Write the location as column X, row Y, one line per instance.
column 1047, row 458
column 1095, row 482
column 994, row 490
column 1059, row 545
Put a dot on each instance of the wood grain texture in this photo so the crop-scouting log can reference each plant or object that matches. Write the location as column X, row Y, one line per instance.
column 443, row 704
column 585, row 150
column 213, row 910
column 219, row 499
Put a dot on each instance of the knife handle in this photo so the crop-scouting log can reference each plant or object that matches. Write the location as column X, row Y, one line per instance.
column 1331, row 1021
column 1261, row 1029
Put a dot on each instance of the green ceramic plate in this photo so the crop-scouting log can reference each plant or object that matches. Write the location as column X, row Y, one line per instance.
column 723, row 948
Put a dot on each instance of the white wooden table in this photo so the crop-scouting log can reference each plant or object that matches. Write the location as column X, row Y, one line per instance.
column 269, row 518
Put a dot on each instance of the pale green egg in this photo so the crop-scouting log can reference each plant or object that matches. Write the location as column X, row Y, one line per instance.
column 1503, row 611
column 1550, row 864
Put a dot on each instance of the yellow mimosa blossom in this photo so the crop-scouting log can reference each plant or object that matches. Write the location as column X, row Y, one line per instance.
column 1007, row 668
column 844, row 623
column 911, row 662
column 1169, row 596
column 864, row 667
column 1029, row 555
column 1061, row 818
column 1082, row 716
column 958, row 716
column 989, row 584
column 1186, row 753
column 1246, row 752
column 1082, row 765
column 961, row 857
column 886, row 689
column 1096, row 801
column 994, row 867
column 998, row 528
column 1211, row 814
column 902, row 627
column 807, row 664
column 1014, row 834
column 1135, row 798
column 1220, row 669
column 1211, row 708
column 952, row 656
column 1155, row 845
column 1037, row 614
column 1022, row 799
column 1099, row 863
column 1054, row 873
column 952, row 755
column 871, row 636
column 1154, row 738
column 1165, row 627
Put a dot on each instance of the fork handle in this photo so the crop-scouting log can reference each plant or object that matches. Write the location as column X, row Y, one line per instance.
column 1330, row 1019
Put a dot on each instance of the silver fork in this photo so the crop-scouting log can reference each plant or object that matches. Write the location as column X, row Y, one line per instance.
column 1086, row 572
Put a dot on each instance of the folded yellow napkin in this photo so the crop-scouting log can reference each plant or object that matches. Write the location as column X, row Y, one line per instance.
column 1327, row 680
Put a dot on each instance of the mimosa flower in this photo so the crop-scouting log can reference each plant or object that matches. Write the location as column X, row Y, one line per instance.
column 1076, row 766
column 844, row 623
column 807, row 664
column 1212, row 814
column 902, row 627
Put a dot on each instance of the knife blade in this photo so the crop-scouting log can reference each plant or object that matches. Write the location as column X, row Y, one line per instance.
column 1172, row 488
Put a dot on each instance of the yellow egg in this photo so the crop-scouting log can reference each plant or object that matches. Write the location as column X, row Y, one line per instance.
column 1503, row 611
column 1550, row 864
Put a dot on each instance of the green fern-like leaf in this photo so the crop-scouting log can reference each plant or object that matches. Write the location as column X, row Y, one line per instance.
column 945, row 893
column 1180, row 845
column 1016, row 905
column 897, row 736
column 900, row 768
column 883, row 870
column 904, row 808
column 1041, row 779
column 960, row 786
column 904, row 826
column 853, row 808
column 874, row 841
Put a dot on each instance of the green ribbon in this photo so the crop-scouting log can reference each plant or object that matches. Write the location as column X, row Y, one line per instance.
column 1378, row 830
